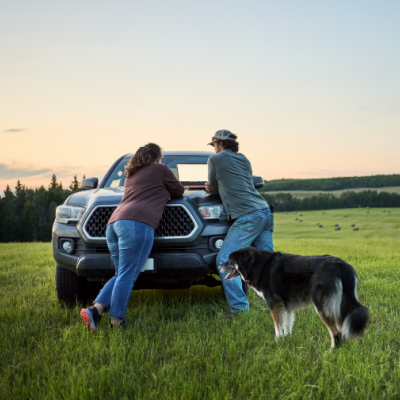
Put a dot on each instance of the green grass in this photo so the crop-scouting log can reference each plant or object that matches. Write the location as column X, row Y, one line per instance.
column 180, row 345
column 301, row 194
column 372, row 223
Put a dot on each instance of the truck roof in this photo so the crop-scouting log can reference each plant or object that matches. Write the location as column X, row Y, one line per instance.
column 181, row 153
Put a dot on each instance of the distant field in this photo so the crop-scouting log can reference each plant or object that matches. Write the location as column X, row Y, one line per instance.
column 377, row 223
column 181, row 347
column 307, row 193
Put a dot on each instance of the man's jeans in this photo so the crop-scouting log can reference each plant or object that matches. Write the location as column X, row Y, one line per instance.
column 250, row 229
column 130, row 243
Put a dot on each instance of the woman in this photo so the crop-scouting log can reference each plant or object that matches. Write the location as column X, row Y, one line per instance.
column 130, row 231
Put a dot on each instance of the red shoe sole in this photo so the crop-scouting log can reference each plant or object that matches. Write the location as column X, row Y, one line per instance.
column 86, row 319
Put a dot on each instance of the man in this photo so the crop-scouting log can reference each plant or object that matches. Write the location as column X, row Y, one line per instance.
column 230, row 175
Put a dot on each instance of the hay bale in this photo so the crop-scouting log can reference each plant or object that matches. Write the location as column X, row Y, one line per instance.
column 355, row 228
column 345, row 216
column 296, row 219
column 336, row 224
column 301, row 215
column 353, row 225
column 300, row 220
column 285, row 212
column 337, row 228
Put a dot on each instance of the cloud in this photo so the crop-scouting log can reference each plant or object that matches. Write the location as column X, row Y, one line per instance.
column 14, row 130
column 12, row 172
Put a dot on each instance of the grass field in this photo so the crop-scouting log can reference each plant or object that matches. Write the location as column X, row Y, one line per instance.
column 372, row 223
column 307, row 193
column 180, row 345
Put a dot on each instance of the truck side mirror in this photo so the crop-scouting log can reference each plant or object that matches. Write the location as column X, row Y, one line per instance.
column 89, row 183
column 258, row 182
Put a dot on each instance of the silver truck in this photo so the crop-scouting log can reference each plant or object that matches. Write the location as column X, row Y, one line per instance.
column 187, row 240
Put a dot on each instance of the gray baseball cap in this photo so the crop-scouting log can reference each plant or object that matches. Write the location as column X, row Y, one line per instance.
column 223, row 134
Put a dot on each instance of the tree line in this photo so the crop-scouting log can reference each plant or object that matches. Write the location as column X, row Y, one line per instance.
column 324, row 201
column 328, row 184
column 27, row 215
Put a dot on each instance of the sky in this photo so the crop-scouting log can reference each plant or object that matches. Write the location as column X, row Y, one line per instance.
column 311, row 88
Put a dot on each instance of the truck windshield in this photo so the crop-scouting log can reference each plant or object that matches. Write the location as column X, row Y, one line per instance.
column 188, row 168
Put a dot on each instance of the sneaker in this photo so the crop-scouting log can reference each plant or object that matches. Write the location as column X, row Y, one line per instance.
column 123, row 325
column 231, row 314
column 228, row 314
column 91, row 318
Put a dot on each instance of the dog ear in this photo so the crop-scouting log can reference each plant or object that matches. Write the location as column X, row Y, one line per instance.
column 246, row 258
column 252, row 254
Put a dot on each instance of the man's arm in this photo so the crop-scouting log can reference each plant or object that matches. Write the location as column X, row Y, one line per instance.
column 212, row 184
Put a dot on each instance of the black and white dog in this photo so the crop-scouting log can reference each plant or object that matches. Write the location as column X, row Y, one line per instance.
column 290, row 282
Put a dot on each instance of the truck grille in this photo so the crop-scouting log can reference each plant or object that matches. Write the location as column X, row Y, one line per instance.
column 176, row 222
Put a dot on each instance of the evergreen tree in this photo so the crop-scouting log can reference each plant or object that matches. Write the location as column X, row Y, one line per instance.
column 75, row 185
column 8, row 217
column 20, row 193
column 53, row 182
column 41, row 199
column 31, row 222
column 28, row 214
column 20, row 199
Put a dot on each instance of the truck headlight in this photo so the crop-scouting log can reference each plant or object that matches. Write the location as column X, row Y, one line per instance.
column 216, row 211
column 65, row 214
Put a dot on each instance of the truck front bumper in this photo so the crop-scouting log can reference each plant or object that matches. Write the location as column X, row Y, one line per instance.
column 166, row 265
column 179, row 265
column 95, row 263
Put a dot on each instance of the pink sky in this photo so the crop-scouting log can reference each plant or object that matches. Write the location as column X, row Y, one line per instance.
column 311, row 89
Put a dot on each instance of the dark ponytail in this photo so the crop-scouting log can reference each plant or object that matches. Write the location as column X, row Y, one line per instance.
column 144, row 156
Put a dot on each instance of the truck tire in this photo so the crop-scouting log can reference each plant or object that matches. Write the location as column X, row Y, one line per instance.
column 71, row 288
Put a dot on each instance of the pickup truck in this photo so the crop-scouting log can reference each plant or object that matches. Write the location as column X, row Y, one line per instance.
column 187, row 240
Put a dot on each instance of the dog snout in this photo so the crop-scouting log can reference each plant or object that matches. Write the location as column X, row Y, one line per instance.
column 225, row 267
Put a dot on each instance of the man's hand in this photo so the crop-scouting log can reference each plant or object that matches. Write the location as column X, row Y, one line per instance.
column 209, row 188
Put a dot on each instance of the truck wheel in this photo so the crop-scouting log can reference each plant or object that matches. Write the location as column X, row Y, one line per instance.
column 71, row 288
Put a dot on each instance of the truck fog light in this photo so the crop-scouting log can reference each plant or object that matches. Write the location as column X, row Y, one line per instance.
column 219, row 243
column 67, row 247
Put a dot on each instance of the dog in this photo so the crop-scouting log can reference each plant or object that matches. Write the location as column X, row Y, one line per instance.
column 291, row 282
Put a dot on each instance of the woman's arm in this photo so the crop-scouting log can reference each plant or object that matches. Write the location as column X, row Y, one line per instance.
column 172, row 184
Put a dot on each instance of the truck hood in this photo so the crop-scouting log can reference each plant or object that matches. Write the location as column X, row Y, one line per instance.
column 101, row 195
column 105, row 196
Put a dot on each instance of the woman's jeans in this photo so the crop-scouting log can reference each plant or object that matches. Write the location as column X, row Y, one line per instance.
column 250, row 229
column 130, row 243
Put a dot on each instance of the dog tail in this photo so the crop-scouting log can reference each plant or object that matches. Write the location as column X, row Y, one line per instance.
column 354, row 315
